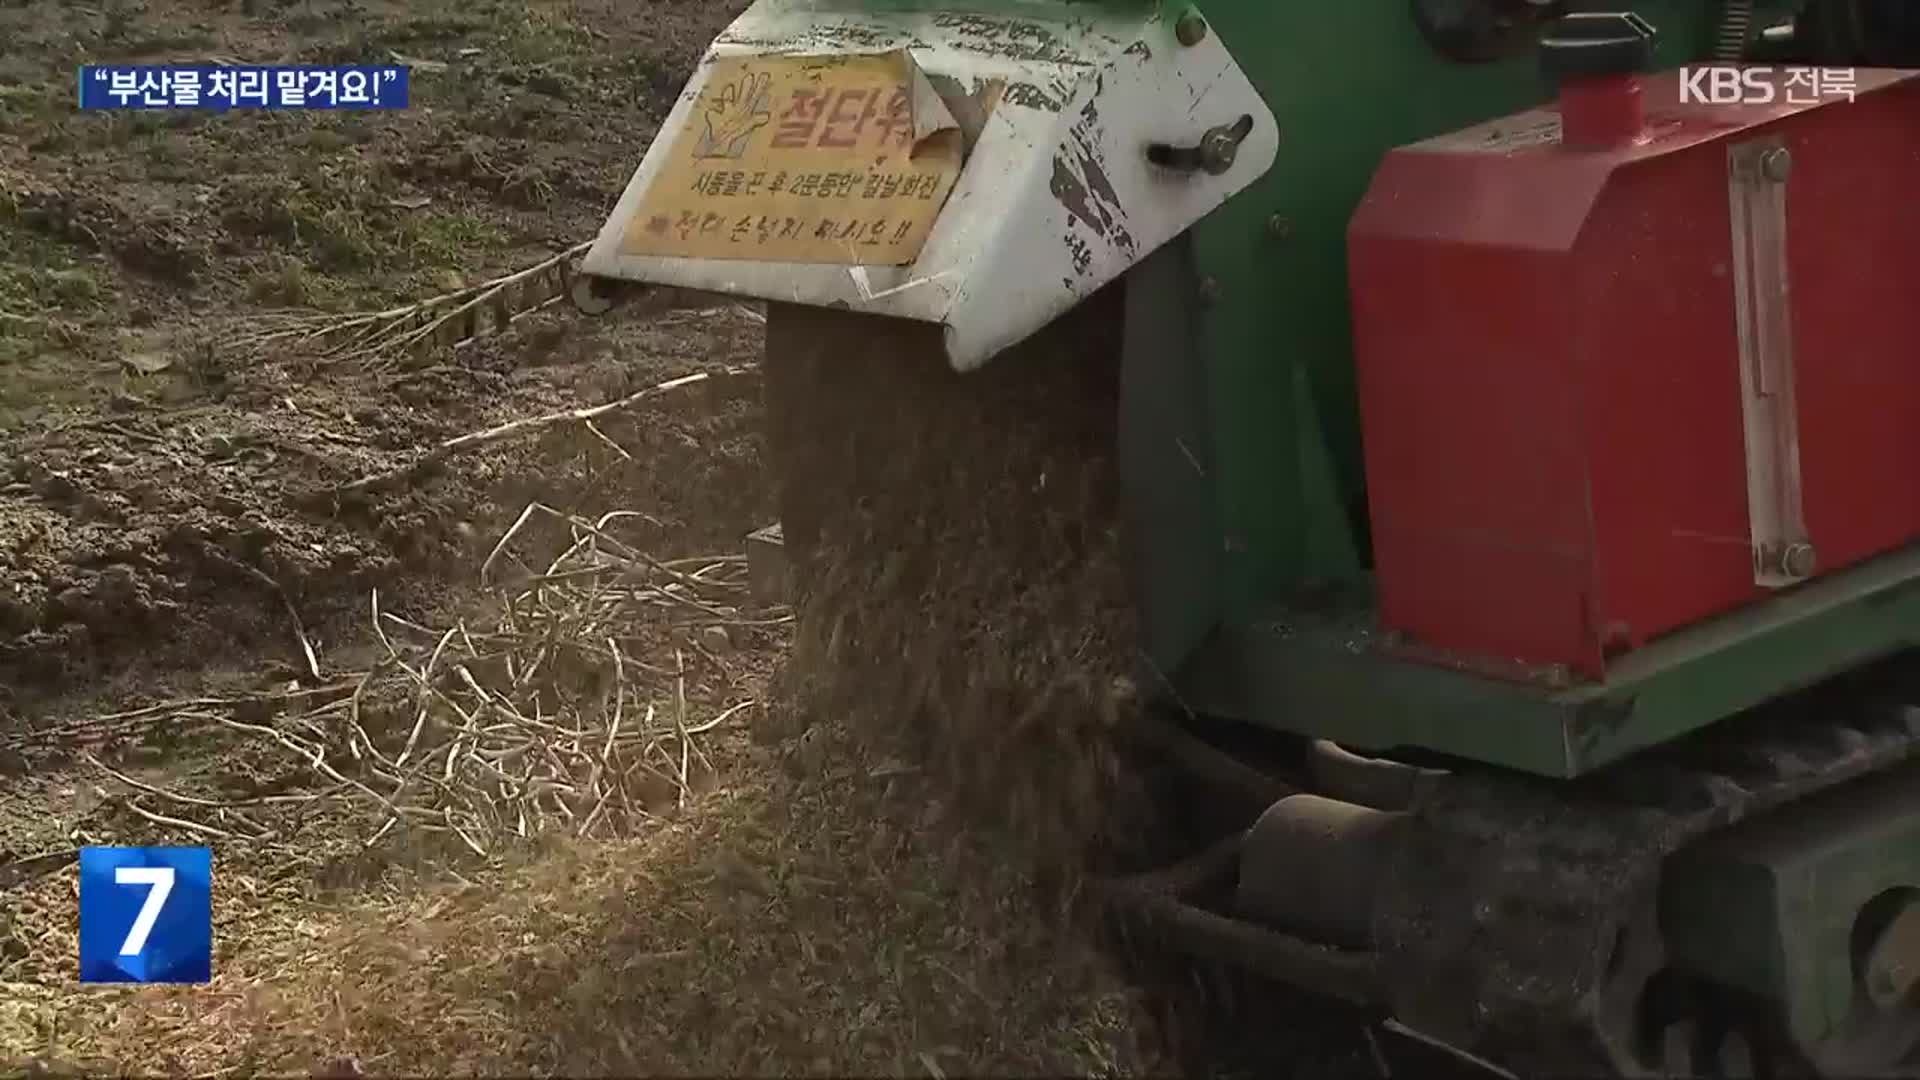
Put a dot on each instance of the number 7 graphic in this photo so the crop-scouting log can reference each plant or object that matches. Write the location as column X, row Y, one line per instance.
column 146, row 914
column 160, row 878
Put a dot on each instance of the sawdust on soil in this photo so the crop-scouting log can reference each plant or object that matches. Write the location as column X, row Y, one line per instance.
column 784, row 905
column 777, row 927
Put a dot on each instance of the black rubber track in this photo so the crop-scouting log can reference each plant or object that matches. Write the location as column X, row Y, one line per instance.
column 1515, row 893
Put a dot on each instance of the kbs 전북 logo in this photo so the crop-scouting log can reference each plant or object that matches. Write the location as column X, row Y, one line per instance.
column 146, row 914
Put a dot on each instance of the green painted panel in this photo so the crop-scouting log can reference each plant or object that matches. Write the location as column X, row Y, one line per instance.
column 1168, row 509
column 1324, row 671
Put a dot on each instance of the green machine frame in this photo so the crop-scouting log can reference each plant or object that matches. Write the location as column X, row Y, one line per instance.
column 1256, row 584
column 1239, row 353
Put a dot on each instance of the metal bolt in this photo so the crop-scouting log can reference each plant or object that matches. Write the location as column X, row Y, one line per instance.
column 1218, row 151
column 1798, row 560
column 1280, row 227
column 1892, row 967
column 1190, row 29
column 1209, row 290
column 1776, row 164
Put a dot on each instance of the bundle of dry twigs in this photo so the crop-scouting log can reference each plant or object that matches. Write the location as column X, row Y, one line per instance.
column 450, row 319
column 563, row 707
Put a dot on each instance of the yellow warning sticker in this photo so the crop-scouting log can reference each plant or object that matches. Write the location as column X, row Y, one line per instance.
column 817, row 159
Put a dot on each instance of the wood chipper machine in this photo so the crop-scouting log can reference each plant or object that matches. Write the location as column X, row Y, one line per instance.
column 1485, row 432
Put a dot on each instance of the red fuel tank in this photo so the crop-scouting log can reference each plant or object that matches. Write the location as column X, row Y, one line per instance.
column 1620, row 378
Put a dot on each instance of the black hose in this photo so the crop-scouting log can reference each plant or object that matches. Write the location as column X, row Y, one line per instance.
column 1210, row 765
column 1371, row 782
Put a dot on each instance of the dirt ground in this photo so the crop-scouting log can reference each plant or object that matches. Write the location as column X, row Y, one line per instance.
column 490, row 788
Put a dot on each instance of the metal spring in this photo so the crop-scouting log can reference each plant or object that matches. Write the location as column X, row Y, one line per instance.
column 1736, row 22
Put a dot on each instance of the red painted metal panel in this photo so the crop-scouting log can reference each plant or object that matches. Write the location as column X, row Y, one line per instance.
column 1549, row 369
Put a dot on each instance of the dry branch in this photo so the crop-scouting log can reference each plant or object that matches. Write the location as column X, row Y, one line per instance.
column 525, row 425
column 452, row 318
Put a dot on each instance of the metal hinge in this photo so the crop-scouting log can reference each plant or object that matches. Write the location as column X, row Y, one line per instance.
column 1757, row 173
